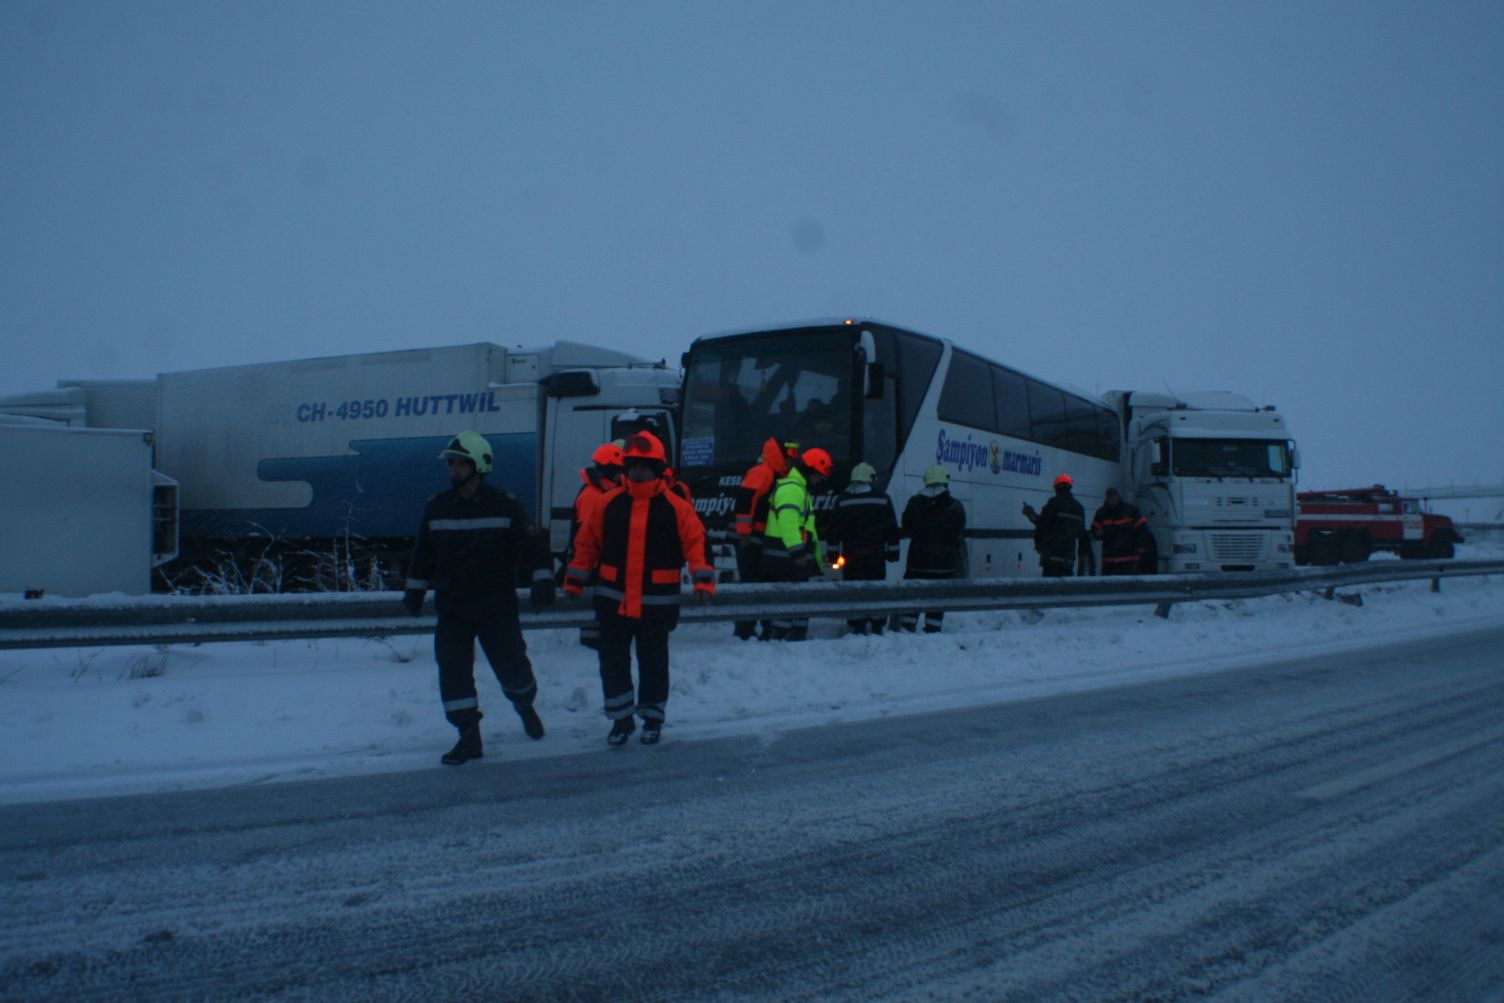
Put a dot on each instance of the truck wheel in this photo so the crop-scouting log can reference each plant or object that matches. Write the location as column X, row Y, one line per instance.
column 1355, row 548
column 1325, row 549
column 1444, row 549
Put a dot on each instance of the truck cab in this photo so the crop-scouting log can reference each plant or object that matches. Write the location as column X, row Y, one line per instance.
column 1214, row 474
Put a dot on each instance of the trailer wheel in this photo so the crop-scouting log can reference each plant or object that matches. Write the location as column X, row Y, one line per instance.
column 1356, row 546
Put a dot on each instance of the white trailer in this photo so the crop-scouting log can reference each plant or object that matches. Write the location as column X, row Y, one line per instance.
column 81, row 510
column 1215, row 476
column 342, row 451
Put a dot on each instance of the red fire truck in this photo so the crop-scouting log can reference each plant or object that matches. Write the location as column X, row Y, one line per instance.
column 1344, row 527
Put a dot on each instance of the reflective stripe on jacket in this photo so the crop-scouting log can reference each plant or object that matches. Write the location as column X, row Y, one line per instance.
column 791, row 520
column 636, row 541
column 477, row 546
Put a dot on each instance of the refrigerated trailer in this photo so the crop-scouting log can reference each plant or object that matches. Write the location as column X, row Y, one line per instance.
column 82, row 512
column 333, row 458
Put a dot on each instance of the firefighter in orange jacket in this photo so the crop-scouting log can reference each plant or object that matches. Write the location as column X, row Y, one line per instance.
column 752, row 499
column 635, row 543
column 603, row 477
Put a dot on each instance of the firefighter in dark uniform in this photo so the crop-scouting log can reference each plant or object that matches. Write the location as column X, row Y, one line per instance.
column 751, row 518
column 601, row 478
column 934, row 522
column 1121, row 528
column 1057, row 530
column 472, row 543
column 635, row 545
column 863, row 534
column 791, row 545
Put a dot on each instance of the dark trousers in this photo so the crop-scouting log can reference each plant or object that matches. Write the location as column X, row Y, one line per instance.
column 1120, row 566
column 493, row 621
column 617, row 635
column 865, row 568
column 933, row 619
column 748, row 569
column 786, row 628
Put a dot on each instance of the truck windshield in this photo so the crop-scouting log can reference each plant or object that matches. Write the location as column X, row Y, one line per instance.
column 794, row 387
column 1230, row 458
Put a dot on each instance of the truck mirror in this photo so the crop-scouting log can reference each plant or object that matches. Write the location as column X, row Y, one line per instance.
column 1295, row 458
column 874, row 377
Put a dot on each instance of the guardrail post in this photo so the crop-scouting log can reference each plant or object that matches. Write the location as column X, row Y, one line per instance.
column 1163, row 610
column 1436, row 584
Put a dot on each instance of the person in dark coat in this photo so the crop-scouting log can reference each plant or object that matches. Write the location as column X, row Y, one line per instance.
column 863, row 535
column 1121, row 528
column 473, row 541
column 934, row 523
column 1058, row 529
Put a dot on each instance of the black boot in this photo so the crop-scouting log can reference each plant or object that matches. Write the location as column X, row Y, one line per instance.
column 466, row 749
column 531, row 722
column 620, row 730
column 652, row 731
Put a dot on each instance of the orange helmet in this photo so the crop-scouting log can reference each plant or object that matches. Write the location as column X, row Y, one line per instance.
column 817, row 460
column 1064, row 479
column 645, row 446
column 607, row 455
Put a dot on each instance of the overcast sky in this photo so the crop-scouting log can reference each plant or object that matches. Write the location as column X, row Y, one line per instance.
column 1300, row 201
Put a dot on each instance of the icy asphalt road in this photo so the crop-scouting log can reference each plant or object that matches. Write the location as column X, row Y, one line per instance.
column 1316, row 829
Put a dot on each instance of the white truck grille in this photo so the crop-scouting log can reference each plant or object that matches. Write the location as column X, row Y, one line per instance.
column 1237, row 547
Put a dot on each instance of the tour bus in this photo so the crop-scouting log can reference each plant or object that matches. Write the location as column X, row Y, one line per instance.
column 901, row 401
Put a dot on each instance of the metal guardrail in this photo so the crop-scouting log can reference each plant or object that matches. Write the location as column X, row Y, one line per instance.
column 53, row 622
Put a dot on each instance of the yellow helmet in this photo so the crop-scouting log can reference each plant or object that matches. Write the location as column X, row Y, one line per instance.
column 470, row 446
column 936, row 475
column 863, row 473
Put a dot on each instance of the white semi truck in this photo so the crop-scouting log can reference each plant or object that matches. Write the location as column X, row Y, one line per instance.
column 335, row 457
column 1214, row 474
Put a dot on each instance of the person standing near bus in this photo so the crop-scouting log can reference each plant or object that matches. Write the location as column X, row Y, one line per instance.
column 472, row 542
column 1057, row 529
column 864, row 536
column 1121, row 528
column 601, row 478
column 751, row 518
column 791, row 547
column 634, row 547
column 935, row 523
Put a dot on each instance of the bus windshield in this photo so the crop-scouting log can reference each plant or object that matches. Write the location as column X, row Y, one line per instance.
column 739, row 392
column 1230, row 458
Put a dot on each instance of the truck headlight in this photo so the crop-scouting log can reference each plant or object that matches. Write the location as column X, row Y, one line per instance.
column 1184, row 548
column 1283, row 548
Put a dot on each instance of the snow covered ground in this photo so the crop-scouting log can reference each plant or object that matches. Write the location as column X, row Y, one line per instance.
column 89, row 722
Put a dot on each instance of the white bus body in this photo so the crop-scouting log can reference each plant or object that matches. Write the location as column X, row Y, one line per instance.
column 901, row 401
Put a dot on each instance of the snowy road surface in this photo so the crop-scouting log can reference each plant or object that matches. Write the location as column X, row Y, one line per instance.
column 1318, row 828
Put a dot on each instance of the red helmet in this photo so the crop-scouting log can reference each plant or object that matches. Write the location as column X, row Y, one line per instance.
column 817, row 460
column 607, row 455
column 1064, row 479
column 645, row 446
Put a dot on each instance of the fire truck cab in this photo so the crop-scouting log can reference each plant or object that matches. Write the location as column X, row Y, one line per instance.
column 1346, row 526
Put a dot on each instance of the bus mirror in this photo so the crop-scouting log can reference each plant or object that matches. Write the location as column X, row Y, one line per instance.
column 874, row 376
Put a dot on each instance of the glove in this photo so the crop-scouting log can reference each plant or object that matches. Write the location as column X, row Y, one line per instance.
column 543, row 594
column 412, row 601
